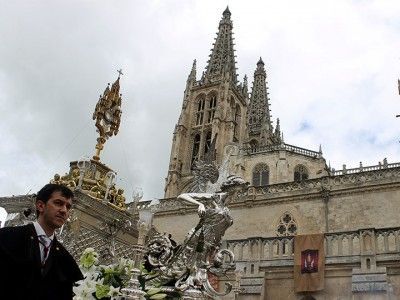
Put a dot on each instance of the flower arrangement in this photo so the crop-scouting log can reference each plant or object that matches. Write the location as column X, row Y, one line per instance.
column 101, row 282
column 104, row 282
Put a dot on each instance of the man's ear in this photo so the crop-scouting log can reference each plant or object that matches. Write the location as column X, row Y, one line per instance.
column 40, row 206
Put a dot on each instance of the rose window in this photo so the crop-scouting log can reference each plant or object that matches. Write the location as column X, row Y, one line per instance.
column 287, row 225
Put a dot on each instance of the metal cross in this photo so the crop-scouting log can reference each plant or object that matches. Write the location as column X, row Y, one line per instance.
column 120, row 72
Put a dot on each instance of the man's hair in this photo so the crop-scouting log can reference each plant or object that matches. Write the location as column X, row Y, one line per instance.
column 45, row 193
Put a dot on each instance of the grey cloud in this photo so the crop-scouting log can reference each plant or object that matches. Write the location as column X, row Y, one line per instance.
column 56, row 57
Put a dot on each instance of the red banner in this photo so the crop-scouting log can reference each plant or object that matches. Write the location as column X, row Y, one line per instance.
column 309, row 263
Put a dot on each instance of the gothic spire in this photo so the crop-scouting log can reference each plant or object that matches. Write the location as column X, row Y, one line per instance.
column 245, row 87
column 222, row 57
column 189, row 83
column 278, row 128
column 192, row 75
column 259, row 113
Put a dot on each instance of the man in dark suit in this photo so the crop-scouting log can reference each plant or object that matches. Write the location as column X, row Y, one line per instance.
column 33, row 264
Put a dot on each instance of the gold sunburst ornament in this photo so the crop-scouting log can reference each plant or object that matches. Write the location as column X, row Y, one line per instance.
column 108, row 115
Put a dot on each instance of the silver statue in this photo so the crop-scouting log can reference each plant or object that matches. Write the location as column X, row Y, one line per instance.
column 188, row 266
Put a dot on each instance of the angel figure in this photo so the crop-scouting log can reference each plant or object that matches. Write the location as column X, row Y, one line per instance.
column 215, row 219
column 188, row 264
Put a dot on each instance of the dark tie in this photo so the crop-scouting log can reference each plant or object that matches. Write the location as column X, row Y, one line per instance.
column 46, row 243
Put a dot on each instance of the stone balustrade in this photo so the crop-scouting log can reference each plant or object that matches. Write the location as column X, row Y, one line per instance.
column 339, row 246
column 361, row 168
column 283, row 146
column 317, row 187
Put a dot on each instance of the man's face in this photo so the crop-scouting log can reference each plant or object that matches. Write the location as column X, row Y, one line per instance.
column 55, row 211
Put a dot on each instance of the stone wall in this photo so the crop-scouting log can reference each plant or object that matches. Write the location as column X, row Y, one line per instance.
column 356, row 211
column 281, row 164
column 327, row 204
column 371, row 208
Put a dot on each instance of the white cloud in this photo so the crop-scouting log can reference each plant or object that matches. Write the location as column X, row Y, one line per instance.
column 331, row 64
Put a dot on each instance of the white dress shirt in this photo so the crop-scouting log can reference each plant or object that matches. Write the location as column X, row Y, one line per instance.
column 44, row 239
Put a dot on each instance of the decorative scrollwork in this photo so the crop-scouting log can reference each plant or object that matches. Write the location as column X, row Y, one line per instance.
column 107, row 115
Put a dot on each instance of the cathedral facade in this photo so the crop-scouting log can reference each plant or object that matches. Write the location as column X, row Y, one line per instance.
column 292, row 191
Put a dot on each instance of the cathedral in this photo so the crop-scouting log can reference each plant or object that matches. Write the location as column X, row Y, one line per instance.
column 293, row 197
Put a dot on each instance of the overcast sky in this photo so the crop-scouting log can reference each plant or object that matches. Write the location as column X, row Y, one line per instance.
column 332, row 69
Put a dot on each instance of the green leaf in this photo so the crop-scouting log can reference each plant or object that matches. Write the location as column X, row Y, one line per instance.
column 102, row 291
column 158, row 296
column 153, row 291
column 143, row 269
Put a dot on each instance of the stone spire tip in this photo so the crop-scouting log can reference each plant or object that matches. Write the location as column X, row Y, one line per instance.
column 227, row 12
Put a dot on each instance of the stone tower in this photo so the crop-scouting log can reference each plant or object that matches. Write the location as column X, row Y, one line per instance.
column 219, row 119
column 260, row 130
column 214, row 107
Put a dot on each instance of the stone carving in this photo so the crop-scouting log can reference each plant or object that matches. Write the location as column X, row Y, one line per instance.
column 340, row 245
column 323, row 186
column 222, row 58
column 24, row 215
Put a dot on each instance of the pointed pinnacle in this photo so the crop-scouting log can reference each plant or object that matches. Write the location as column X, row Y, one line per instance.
column 192, row 74
column 226, row 12
column 260, row 62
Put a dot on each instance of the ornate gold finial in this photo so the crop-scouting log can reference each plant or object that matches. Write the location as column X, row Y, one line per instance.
column 107, row 115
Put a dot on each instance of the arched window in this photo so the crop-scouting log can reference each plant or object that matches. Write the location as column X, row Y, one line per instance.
column 260, row 175
column 287, row 225
column 207, row 143
column 300, row 173
column 236, row 121
column 212, row 104
column 200, row 111
column 196, row 148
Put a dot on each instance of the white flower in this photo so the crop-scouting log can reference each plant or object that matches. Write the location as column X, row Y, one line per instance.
column 84, row 290
column 114, row 293
column 95, row 275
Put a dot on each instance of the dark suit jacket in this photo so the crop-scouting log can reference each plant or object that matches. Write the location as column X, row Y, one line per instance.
column 21, row 273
